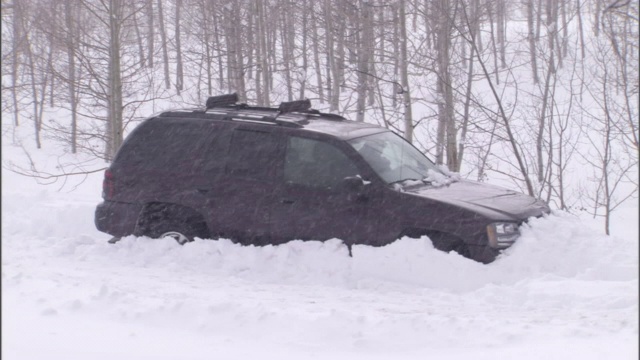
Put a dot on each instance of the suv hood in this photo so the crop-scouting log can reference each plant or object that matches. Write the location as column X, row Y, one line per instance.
column 494, row 202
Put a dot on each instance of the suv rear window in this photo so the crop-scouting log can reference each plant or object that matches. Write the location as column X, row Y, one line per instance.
column 162, row 145
column 252, row 154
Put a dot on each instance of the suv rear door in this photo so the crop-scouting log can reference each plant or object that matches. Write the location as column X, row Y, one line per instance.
column 241, row 194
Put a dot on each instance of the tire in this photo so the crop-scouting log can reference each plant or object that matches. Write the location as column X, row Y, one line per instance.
column 183, row 225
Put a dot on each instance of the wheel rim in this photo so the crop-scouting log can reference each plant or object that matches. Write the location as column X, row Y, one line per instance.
column 180, row 238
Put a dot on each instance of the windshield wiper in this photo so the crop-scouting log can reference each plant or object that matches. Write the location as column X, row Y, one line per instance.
column 403, row 182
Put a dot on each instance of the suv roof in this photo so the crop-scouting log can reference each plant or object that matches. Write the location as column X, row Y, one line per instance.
column 294, row 114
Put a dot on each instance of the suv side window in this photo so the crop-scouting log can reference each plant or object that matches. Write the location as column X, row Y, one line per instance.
column 316, row 163
column 163, row 146
column 252, row 154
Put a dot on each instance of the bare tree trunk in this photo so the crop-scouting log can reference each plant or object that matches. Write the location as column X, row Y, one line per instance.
column 333, row 79
column 316, row 56
column 467, row 103
column 501, row 25
column 251, row 46
column 165, row 51
column 446, row 105
column 264, row 65
column 404, row 74
column 17, row 39
column 37, row 121
column 580, row 27
column 150, row 34
column 396, row 49
column 179, row 69
column 136, row 27
column 596, row 14
column 258, row 33
column 218, row 46
column 493, row 43
column 114, row 117
column 71, row 48
column 532, row 40
column 50, row 34
column 239, row 53
column 286, row 48
column 303, row 81
column 538, row 20
column 208, row 56
column 363, row 59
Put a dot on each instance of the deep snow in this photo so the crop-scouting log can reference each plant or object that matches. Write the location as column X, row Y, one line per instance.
column 564, row 291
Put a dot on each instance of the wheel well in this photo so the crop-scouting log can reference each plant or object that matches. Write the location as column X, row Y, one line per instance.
column 153, row 214
column 441, row 240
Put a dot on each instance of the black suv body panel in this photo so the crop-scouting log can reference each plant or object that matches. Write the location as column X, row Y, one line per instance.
column 259, row 181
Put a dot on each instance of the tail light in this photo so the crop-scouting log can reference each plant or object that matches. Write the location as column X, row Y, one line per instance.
column 108, row 185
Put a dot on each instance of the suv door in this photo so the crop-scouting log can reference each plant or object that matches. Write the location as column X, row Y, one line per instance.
column 241, row 193
column 312, row 204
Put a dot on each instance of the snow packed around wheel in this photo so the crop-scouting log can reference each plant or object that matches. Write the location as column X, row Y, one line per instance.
column 564, row 290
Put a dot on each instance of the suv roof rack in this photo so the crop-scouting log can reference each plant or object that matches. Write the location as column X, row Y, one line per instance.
column 221, row 100
column 228, row 105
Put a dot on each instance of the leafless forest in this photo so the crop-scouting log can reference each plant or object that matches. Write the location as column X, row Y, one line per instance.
column 542, row 92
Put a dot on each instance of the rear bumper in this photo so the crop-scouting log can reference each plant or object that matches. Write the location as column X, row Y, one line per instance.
column 116, row 218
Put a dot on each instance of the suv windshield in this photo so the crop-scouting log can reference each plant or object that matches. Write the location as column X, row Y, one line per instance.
column 393, row 158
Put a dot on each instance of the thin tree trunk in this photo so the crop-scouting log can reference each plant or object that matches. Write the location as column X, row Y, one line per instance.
column 363, row 60
column 404, row 74
column 165, row 51
column 151, row 34
column 36, row 120
column 218, row 46
column 493, row 43
column 72, row 74
column 16, row 49
column 179, row 67
column 532, row 41
column 501, row 25
column 467, row 101
column 316, row 55
column 265, row 55
column 303, row 81
column 136, row 27
column 115, row 80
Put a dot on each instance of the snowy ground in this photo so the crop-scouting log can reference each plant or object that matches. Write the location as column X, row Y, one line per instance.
column 564, row 291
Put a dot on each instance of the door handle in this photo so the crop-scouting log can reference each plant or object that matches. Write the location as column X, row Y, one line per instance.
column 203, row 191
column 287, row 201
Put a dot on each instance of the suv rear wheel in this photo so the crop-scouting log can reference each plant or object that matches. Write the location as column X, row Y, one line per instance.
column 164, row 220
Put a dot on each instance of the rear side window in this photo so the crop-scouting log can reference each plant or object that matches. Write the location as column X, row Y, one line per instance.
column 316, row 163
column 252, row 154
column 164, row 146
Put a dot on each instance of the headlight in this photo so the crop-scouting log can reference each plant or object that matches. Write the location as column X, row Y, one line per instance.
column 502, row 235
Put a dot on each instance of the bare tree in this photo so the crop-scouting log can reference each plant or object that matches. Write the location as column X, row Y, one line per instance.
column 165, row 50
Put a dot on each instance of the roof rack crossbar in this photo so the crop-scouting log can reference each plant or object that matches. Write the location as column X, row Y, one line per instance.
column 222, row 100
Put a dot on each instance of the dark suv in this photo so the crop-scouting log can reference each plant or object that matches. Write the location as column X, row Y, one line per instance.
column 260, row 175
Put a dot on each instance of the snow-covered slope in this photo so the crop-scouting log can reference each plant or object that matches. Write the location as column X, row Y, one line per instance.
column 563, row 291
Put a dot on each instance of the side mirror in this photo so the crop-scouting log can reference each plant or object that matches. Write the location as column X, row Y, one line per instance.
column 353, row 183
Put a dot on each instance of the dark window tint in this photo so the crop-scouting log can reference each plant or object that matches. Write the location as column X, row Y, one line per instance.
column 164, row 146
column 252, row 154
column 316, row 163
column 215, row 150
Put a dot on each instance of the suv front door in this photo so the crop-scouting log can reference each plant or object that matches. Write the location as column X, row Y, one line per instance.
column 312, row 203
